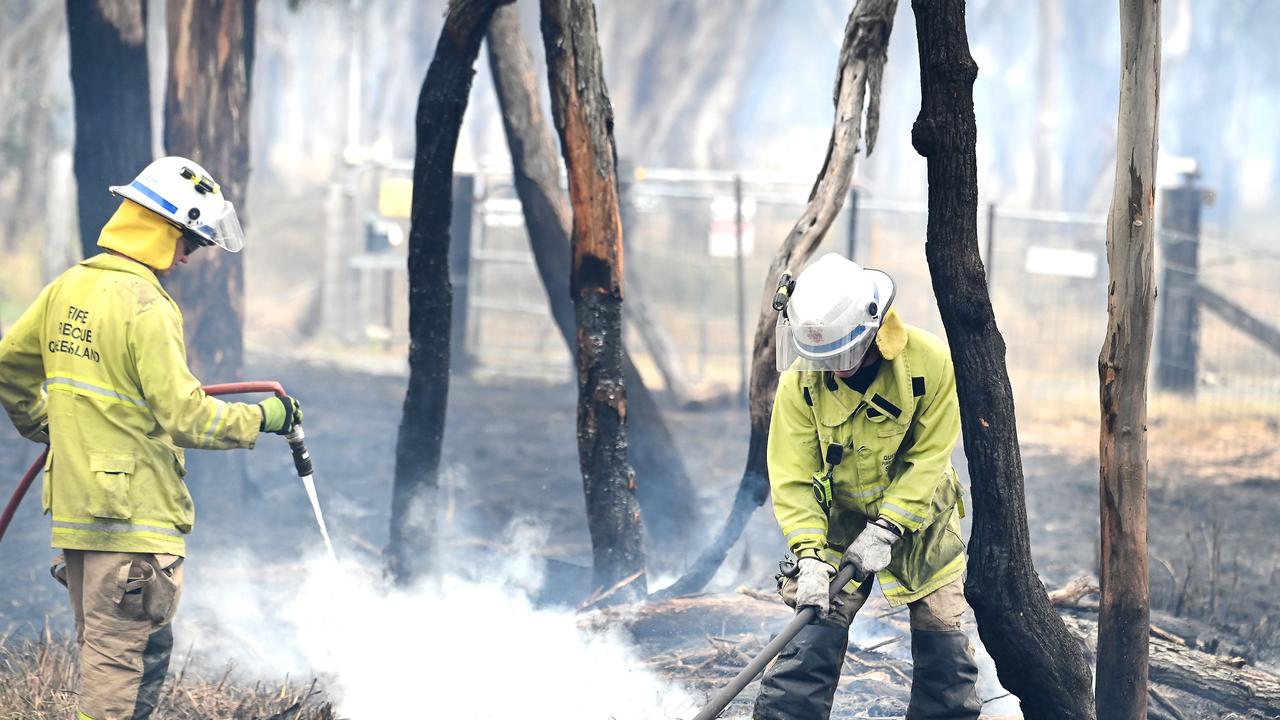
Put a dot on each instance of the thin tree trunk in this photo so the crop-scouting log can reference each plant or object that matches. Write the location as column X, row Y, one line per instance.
column 441, row 106
column 112, row 105
column 1124, row 609
column 584, row 121
column 858, row 76
column 211, row 46
column 667, row 499
column 1036, row 657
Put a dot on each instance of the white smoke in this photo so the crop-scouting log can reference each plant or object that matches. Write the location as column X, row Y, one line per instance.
column 455, row 647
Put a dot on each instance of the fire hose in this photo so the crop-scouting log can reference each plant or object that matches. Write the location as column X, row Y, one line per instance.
column 296, row 439
column 717, row 704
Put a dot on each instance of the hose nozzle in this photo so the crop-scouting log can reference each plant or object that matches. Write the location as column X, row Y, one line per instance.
column 301, row 458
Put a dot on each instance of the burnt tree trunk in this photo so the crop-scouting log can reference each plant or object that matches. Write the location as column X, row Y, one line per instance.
column 858, row 76
column 667, row 498
column 112, row 105
column 1036, row 657
column 1124, row 608
column 206, row 117
column 584, row 121
column 441, row 105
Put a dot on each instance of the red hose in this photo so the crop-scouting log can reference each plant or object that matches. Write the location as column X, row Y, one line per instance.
column 220, row 389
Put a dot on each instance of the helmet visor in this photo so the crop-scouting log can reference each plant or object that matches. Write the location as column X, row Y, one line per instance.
column 226, row 231
column 822, row 347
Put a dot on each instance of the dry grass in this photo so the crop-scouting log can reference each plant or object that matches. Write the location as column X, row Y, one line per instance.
column 38, row 681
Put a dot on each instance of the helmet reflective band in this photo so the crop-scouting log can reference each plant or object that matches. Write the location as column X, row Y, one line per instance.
column 181, row 192
column 833, row 316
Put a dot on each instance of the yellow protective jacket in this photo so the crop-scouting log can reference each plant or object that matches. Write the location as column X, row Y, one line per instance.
column 100, row 358
column 897, row 439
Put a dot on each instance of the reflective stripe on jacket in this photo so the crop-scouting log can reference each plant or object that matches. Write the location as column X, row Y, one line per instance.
column 100, row 358
column 897, row 439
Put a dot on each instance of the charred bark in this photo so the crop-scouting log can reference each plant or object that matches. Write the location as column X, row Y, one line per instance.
column 1124, row 609
column 668, row 502
column 206, row 114
column 584, row 121
column 858, row 75
column 441, row 105
column 1036, row 657
column 112, row 105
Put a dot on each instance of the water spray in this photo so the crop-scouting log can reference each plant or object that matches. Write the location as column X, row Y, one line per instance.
column 302, row 463
column 301, row 460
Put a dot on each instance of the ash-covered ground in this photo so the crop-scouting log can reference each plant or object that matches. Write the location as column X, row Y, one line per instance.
column 510, row 455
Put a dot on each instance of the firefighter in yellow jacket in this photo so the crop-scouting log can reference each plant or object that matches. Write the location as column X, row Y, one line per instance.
column 97, row 368
column 860, row 442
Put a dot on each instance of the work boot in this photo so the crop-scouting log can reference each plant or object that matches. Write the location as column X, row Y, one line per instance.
column 801, row 682
column 943, row 681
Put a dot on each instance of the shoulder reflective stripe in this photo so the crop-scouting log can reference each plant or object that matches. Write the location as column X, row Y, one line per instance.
column 899, row 511
column 154, row 196
column 917, row 386
column 96, row 389
column 820, row 532
column 105, row 526
column 214, row 423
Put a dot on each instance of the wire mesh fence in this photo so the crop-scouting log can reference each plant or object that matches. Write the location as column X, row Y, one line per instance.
column 698, row 249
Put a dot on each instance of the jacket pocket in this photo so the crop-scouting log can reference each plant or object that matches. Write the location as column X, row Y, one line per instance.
column 109, row 490
column 160, row 599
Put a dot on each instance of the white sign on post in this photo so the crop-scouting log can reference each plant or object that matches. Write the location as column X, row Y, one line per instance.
column 1065, row 263
column 722, row 239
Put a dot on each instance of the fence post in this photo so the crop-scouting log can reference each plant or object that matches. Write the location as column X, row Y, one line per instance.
column 1177, row 337
column 460, row 220
column 851, row 237
column 740, row 303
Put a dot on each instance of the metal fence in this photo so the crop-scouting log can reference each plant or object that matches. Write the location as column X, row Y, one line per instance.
column 698, row 248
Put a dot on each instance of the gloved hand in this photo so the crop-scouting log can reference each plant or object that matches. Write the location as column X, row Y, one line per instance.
column 871, row 550
column 813, row 585
column 280, row 415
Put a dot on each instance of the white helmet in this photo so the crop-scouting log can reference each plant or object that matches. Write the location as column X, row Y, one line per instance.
column 833, row 315
column 181, row 192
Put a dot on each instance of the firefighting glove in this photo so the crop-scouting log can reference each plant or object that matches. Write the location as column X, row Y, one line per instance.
column 871, row 550
column 813, row 586
column 280, row 415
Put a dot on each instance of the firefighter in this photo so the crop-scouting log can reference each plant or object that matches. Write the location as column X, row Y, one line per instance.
column 96, row 367
column 860, row 442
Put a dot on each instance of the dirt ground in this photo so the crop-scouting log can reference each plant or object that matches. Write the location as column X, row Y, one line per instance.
column 510, row 452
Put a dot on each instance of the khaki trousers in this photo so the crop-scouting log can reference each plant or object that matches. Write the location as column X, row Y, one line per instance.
column 123, row 605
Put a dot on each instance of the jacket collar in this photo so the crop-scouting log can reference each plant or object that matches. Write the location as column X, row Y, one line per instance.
column 890, row 391
column 107, row 261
